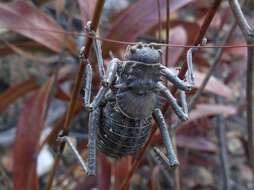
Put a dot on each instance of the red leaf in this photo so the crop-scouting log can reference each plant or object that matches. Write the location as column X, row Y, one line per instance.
column 32, row 56
column 87, row 183
column 30, row 125
column 154, row 178
column 16, row 91
column 177, row 36
column 23, row 88
column 104, row 172
column 206, row 110
column 191, row 28
column 35, row 23
column 138, row 19
column 214, row 85
column 27, row 45
column 198, row 143
column 86, row 9
column 121, row 170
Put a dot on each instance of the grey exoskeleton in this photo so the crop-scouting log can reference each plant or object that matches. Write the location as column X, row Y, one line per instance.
column 131, row 89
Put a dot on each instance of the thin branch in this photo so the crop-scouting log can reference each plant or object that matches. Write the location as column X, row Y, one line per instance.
column 5, row 176
column 201, row 34
column 159, row 19
column 220, row 131
column 250, row 104
column 248, row 33
column 167, row 31
column 211, row 70
column 77, row 86
column 242, row 22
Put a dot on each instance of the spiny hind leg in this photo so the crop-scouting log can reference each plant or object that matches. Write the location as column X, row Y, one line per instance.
column 171, row 155
column 93, row 124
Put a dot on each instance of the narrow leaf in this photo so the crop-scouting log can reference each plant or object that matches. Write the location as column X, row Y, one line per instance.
column 86, row 9
column 138, row 19
column 27, row 20
column 30, row 125
column 121, row 169
column 198, row 143
column 214, row 85
column 16, row 91
column 206, row 110
column 104, row 172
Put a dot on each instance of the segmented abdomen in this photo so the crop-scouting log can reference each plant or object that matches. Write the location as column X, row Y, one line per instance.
column 119, row 135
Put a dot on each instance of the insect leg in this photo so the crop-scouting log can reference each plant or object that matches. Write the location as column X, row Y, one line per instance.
column 97, row 49
column 172, row 77
column 166, row 138
column 74, row 150
column 109, row 77
column 167, row 94
column 88, row 85
column 92, row 138
column 190, row 76
column 98, row 52
column 111, row 72
column 98, row 98
column 183, row 100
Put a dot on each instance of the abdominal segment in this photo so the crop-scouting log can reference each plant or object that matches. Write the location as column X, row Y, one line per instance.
column 119, row 135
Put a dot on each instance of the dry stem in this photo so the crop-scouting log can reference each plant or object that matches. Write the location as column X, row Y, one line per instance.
column 77, row 87
column 248, row 33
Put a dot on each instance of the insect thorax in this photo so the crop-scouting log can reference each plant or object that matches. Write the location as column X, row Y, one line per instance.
column 138, row 100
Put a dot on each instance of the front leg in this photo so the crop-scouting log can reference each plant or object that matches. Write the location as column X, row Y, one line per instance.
column 173, row 78
column 172, row 158
column 97, row 49
column 167, row 94
column 107, row 83
column 87, row 85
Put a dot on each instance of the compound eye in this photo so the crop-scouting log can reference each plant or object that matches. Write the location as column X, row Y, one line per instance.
column 139, row 45
column 160, row 51
column 133, row 50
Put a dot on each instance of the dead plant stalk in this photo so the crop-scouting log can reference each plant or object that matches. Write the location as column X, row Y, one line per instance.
column 77, row 86
column 248, row 33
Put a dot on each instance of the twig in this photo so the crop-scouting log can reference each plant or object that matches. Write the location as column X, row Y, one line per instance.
column 167, row 31
column 198, row 40
column 170, row 45
column 241, row 20
column 159, row 19
column 77, row 86
column 6, row 177
column 220, row 130
column 201, row 34
column 248, row 33
column 211, row 70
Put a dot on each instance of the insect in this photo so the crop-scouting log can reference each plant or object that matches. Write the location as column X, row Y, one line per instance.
column 131, row 92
